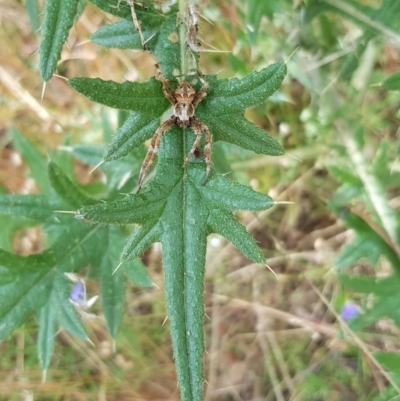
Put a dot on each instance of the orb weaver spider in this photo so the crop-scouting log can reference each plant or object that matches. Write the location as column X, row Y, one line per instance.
column 184, row 101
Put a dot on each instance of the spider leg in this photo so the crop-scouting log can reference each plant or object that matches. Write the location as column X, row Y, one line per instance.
column 167, row 90
column 198, row 125
column 197, row 132
column 153, row 150
column 202, row 93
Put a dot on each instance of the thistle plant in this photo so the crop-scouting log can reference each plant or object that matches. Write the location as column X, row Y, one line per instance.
column 185, row 201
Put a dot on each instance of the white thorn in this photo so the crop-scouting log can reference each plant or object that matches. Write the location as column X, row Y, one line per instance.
column 115, row 270
column 44, row 376
column 43, row 90
column 96, row 167
column 272, row 271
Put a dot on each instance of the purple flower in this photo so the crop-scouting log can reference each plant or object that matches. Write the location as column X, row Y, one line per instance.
column 349, row 310
column 78, row 293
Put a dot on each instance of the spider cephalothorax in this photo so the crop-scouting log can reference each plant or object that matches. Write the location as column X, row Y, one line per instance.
column 184, row 100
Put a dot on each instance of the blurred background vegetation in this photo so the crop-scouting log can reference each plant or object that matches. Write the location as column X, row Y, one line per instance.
column 333, row 242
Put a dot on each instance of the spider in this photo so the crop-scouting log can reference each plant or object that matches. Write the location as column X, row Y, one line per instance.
column 184, row 100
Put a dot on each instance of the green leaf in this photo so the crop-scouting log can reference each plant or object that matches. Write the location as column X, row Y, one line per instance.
column 359, row 13
column 178, row 210
column 60, row 310
column 352, row 60
column 120, row 9
column 392, row 82
column 58, row 19
column 386, row 301
column 367, row 243
column 175, row 207
column 159, row 30
column 144, row 10
column 389, row 360
column 36, row 161
column 39, row 262
column 30, row 278
column 37, row 207
column 137, row 129
column 141, row 239
column 47, row 334
column 112, row 285
column 233, row 128
column 222, row 110
column 121, row 35
column 389, row 393
column 32, row 8
column 166, row 48
column 137, row 273
column 226, row 225
column 66, row 189
column 9, row 225
column 229, row 95
column 255, row 11
column 119, row 175
column 22, row 298
column 144, row 97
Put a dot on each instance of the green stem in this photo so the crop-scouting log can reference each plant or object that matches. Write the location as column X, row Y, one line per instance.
column 182, row 35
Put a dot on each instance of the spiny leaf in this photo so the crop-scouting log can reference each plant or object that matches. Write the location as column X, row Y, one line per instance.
column 58, row 19
column 133, row 209
column 32, row 8
column 141, row 239
column 122, row 9
column 146, row 97
column 47, row 334
column 222, row 110
column 19, row 264
column 121, row 35
column 229, row 95
column 226, row 225
column 176, row 209
column 112, row 285
column 37, row 207
column 166, row 47
column 223, row 193
column 119, row 175
column 234, row 128
column 137, row 273
column 66, row 189
column 158, row 29
column 22, row 298
column 118, row 8
column 136, row 130
column 33, row 277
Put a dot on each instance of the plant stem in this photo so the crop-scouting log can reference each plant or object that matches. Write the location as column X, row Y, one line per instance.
column 182, row 35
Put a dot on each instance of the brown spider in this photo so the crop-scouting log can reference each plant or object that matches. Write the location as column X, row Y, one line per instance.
column 185, row 100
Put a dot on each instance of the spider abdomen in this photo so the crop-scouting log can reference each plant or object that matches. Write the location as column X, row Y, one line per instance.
column 184, row 111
